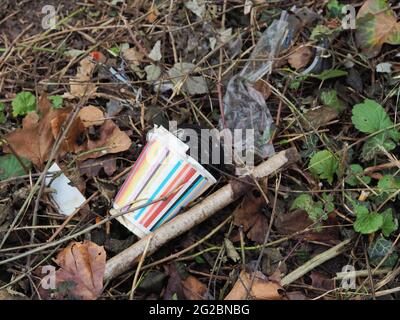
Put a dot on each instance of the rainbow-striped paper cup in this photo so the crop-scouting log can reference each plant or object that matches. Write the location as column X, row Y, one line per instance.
column 162, row 171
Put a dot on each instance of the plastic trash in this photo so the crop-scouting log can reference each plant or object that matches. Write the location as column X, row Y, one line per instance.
column 244, row 106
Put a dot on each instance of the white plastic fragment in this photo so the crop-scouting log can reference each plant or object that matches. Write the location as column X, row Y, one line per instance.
column 66, row 197
column 384, row 67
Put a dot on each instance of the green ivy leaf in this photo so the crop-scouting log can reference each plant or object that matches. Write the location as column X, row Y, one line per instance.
column 329, row 98
column 314, row 209
column 367, row 222
column 324, row 164
column 10, row 166
column 389, row 224
column 355, row 174
column 23, row 103
column 379, row 249
column 56, row 101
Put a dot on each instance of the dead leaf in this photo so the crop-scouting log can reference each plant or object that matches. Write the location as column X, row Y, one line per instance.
column 193, row 289
column 133, row 56
column 112, row 139
column 91, row 116
column 35, row 139
column 69, row 143
column 9, row 294
column 295, row 295
column 79, row 85
column 298, row 220
column 292, row 222
column 153, row 14
column 272, row 262
column 81, row 272
column 250, row 215
column 262, row 288
column 321, row 281
column 174, row 284
column 319, row 117
column 92, row 167
column 376, row 24
column 263, row 87
column 31, row 120
column 300, row 57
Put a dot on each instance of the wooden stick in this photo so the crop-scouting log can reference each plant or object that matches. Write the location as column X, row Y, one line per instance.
column 202, row 211
column 315, row 262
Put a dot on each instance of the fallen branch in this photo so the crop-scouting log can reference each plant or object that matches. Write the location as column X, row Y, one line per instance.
column 315, row 262
column 202, row 211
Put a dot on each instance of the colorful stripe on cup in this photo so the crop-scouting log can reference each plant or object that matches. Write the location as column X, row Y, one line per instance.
column 162, row 171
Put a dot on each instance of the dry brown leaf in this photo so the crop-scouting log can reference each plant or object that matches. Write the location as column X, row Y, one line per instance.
column 263, row 87
column 262, row 288
column 319, row 117
column 320, row 281
column 69, row 143
column 193, row 289
column 35, row 139
column 376, row 24
column 298, row 220
column 37, row 136
column 79, row 85
column 153, row 14
column 92, row 167
column 250, row 215
column 81, row 272
column 31, row 120
column 292, row 222
column 300, row 57
column 112, row 139
column 91, row 116
column 133, row 56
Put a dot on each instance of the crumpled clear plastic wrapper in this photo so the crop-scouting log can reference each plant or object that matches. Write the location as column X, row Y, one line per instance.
column 244, row 106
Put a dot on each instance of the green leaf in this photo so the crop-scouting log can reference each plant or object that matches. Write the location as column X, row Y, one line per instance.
column 370, row 117
column 3, row 118
column 355, row 176
column 199, row 260
column 389, row 224
column 10, row 166
column 56, row 101
column 367, row 222
column 2, row 115
column 379, row 250
column 320, row 31
column 329, row 98
column 313, row 209
column 23, row 103
column 374, row 145
column 330, row 74
column 335, row 8
column 388, row 184
column 115, row 51
column 324, row 164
